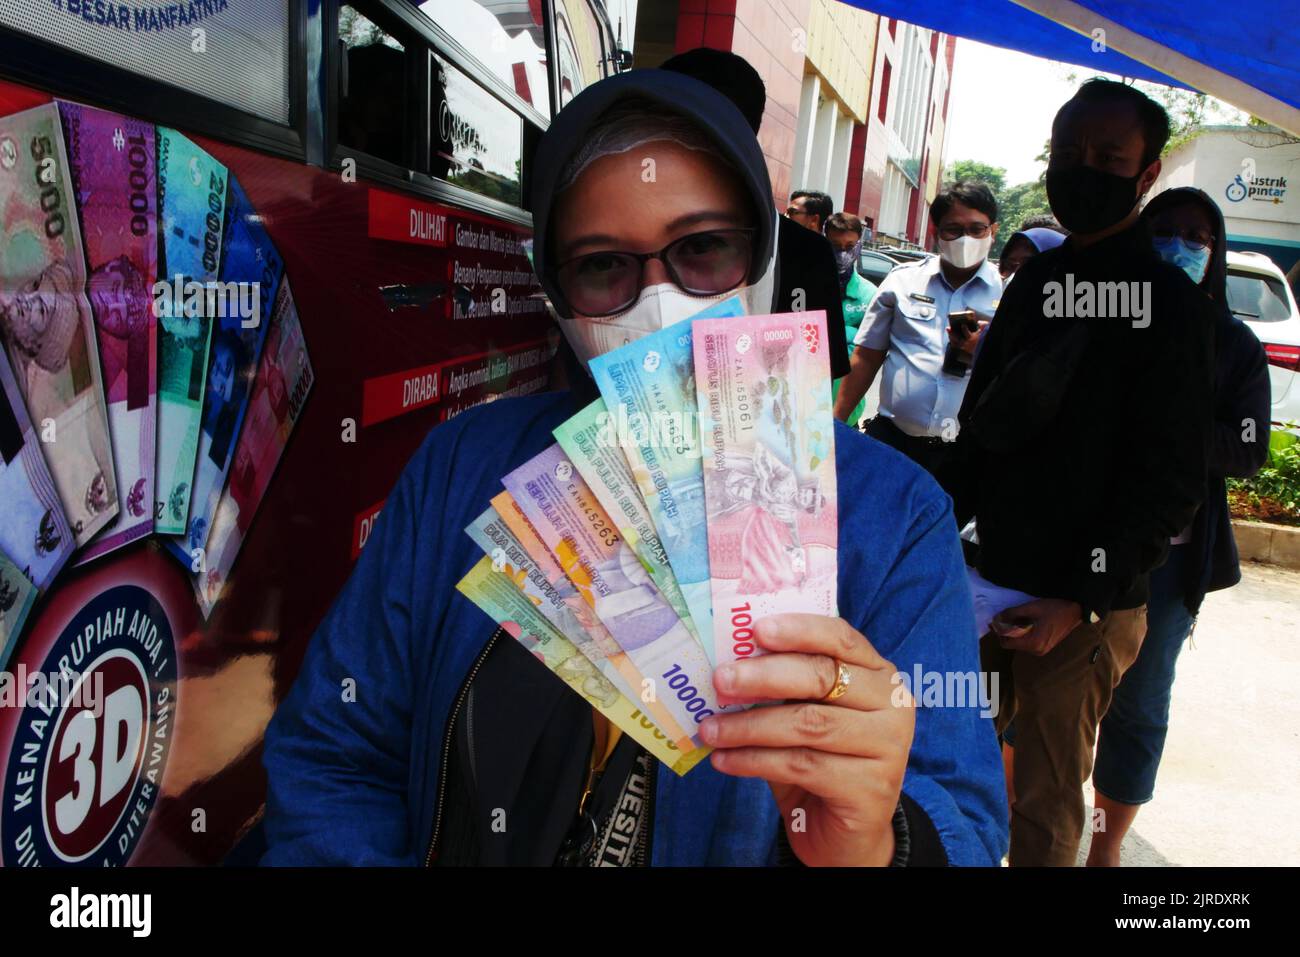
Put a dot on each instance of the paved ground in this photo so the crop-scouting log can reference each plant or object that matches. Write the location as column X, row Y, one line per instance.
column 1229, row 787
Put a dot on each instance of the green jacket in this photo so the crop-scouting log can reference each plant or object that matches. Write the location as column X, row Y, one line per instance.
column 857, row 297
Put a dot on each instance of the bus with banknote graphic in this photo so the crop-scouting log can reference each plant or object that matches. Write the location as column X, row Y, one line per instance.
column 251, row 251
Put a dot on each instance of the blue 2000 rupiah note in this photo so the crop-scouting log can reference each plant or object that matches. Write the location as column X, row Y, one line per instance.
column 192, row 204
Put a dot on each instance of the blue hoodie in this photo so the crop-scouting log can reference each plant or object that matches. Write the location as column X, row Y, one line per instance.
column 357, row 781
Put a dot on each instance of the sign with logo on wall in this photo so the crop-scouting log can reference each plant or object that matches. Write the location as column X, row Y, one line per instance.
column 1250, row 187
column 87, row 716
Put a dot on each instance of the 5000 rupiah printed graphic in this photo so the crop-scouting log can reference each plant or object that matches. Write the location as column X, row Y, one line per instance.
column 45, row 317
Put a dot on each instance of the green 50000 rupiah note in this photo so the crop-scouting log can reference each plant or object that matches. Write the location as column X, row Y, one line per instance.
column 590, row 441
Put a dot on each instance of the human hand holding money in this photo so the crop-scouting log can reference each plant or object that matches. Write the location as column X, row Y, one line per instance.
column 835, row 764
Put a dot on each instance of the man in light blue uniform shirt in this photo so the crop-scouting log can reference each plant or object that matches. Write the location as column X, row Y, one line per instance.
column 907, row 330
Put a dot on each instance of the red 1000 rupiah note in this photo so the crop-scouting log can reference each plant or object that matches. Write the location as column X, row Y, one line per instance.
column 284, row 379
column 764, row 389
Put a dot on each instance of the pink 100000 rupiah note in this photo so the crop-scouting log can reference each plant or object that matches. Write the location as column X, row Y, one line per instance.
column 764, row 388
column 112, row 161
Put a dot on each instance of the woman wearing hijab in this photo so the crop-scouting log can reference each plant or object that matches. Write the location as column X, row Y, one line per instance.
column 1188, row 231
column 651, row 200
column 1025, row 245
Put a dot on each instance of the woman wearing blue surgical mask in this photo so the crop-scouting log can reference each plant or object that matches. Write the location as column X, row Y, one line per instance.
column 1188, row 232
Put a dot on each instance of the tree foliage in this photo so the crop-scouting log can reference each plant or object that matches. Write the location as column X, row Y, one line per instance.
column 1015, row 203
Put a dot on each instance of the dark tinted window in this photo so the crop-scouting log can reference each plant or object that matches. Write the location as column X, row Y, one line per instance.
column 1257, row 298
column 372, row 89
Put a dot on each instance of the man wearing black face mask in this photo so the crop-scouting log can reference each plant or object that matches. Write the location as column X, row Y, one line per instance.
column 1082, row 451
column 844, row 231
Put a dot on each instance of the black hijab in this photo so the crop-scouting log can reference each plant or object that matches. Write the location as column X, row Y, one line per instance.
column 1215, row 281
column 715, row 115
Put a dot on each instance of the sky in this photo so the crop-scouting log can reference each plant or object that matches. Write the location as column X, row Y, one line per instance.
column 1001, row 107
column 1002, row 103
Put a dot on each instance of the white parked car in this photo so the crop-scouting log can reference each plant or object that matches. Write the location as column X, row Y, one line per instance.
column 1259, row 295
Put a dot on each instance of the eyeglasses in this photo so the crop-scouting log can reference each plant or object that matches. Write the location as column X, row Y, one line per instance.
column 701, row 264
column 974, row 230
column 1196, row 238
column 796, row 211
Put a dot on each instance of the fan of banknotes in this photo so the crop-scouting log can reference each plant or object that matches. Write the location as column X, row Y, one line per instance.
column 695, row 497
column 151, row 344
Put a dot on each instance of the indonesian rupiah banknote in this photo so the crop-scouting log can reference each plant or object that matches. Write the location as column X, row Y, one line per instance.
column 45, row 318
column 590, row 441
column 535, row 573
column 17, row 595
column 192, row 193
column 33, row 530
column 284, row 380
column 250, row 275
column 649, row 392
column 612, row 580
column 598, row 644
column 764, row 391
column 495, row 593
column 112, row 159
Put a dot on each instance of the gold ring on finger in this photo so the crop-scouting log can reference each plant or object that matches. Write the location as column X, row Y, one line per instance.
column 843, row 678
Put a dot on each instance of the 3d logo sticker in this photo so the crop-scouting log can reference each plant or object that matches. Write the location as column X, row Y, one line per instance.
column 84, row 769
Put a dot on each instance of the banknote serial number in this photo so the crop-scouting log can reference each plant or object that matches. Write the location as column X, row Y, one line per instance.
column 687, row 693
column 742, row 634
column 777, row 335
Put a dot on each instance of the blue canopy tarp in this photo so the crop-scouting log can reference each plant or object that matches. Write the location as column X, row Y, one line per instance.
column 1245, row 52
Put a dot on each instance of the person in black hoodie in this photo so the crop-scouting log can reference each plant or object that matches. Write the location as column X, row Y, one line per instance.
column 1189, row 232
column 1082, row 452
column 807, row 278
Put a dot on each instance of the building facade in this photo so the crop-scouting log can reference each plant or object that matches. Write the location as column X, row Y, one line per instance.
column 856, row 104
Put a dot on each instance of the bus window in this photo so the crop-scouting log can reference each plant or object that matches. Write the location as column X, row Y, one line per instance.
column 372, row 91
column 507, row 38
column 477, row 141
column 236, row 54
column 579, row 49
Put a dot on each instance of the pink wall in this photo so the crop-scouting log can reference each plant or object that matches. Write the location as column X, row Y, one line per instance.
column 738, row 25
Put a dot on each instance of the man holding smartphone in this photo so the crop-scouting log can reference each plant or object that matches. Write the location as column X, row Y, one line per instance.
column 923, row 327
